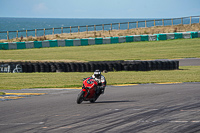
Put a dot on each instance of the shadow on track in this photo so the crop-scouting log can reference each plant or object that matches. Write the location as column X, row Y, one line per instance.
column 123, row 101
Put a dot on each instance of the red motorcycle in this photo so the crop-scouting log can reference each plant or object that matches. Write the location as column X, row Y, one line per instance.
column 89, row 91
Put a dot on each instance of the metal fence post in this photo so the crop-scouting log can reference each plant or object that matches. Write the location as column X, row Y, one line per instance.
column 44, row 31
column 154, row 22
column 70, row 29
column 53, row 31
column 119, row 26
column 172, row 21
column 190, row 20
column 137, row 25
column 111, row 26
column 103, row 27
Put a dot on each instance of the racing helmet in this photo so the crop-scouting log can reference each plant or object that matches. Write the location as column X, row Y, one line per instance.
column 97, row 74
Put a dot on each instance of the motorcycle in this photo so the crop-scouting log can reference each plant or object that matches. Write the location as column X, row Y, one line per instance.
column 89, row 91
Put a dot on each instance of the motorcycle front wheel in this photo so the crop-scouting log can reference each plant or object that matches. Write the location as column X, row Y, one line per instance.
column 80, row 97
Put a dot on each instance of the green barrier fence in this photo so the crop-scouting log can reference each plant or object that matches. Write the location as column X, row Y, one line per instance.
column 98, row 40
column 106, row 40
column 144, row 38
column 69, row 42
column 53, row 43
column 21, row 45
column 84, row 42
column 161, row 37
column 129, row 38
column 194, row 34
column 37, row 44
column 114, row 40
column 178, row 35
column 4, row 46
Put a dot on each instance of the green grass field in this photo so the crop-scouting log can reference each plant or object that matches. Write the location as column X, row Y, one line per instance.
column 64, row 80
column 170, row 49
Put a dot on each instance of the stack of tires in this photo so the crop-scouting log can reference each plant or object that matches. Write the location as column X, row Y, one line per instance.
column 29, row 67
column 150, row 65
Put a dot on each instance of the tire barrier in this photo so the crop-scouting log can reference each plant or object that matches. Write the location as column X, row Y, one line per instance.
column 11, row 67
column 132, row 65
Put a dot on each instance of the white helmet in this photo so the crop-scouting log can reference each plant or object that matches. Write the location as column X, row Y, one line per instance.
column 97, row 74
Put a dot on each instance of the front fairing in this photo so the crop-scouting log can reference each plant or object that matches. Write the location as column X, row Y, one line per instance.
column 90, row 83
column 89, row 87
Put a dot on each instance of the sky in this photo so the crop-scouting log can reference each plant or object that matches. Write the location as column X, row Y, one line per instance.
column 99, row 8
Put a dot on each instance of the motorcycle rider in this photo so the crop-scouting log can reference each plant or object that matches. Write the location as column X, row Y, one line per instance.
column 101, row 81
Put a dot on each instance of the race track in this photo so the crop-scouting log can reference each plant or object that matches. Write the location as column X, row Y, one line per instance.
column 145, row 108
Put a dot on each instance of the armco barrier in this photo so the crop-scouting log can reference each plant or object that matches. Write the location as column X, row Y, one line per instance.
column 186, row 35
column 61, row 43
column 37, row 44
column 4, row 46
column 152, row 37
column 178, row 35
column 69, row 42
column 129, row 38
column 93, row 41
column 114, row 40
column 144, row 38
column 45, row 44
column 29, row 45
column 107, row 40
column 194, row 34
column 122, row 39
column 161, row 37
column 170, row 36
column 28, row 67
column 98, row 40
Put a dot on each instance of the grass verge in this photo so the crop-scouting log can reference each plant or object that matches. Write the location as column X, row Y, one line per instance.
column 2, row 93
column 169, row 49
column 65, row 80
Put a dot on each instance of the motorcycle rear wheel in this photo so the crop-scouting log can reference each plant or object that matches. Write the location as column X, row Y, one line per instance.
column 93, row 100
column 80, row 97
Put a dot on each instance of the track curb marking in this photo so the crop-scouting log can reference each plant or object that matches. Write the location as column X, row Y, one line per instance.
column 162, row 83
column 4, row 98
column 25, row 94
column 13, row 96
column 116, row 85
column 169, row 83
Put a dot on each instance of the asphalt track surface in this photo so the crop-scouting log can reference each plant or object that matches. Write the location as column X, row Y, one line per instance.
column 189, row 62
column 145, row 108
